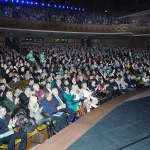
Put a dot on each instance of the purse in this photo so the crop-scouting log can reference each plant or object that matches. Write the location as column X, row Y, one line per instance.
column 28, row 128
column 38, row 138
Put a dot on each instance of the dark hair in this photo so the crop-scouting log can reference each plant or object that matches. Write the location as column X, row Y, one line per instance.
column 1, row 84
column 65, row 88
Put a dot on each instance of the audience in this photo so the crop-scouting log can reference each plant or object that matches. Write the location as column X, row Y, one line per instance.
column 70, row 77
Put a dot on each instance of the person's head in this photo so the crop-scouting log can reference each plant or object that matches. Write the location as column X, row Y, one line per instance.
column 81, row 78
column 31, row 81
column 84, row 85
column 2, row 111
column 93, row 82
column 36, row 87
column 15, row 79
column 48, row 96
column 73, row 80
column 111, row 79
column 66, row 82
column 17, row 90
column 33, row 100
column 55, row 91
column 22, row 69
column 27, row 71
column 9, row 94
column 48, row 85
column 2, row 86
column 58, row 82
column 66, row 89
column 65, row 75
column 3, row 80
column 75, row 87
column 27, row 90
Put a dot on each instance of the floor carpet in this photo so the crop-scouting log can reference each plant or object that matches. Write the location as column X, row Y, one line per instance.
column 125, row 128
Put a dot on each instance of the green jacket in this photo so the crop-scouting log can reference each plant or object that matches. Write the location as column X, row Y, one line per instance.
column 30, row 57
column 10, row 104
column 42, row 58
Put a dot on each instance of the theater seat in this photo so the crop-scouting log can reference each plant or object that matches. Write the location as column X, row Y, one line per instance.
column 5, row 146
column 31, row 133
column 41, row 127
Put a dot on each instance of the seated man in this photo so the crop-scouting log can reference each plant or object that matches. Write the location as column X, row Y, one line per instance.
column 4, row 89
column 49, row 108
column 25, row 96
column 11, row 102
column 38, row 92
column 7, row 134
column 58, row 100
column 59, row 87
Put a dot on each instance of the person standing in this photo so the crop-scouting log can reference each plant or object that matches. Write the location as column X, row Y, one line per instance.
column 30, row 57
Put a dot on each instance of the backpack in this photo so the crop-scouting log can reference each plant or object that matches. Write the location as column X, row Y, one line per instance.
column 26, row 123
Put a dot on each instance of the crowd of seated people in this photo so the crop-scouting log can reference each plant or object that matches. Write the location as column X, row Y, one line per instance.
column 66, row 16
column 70, row 78
column 56, row 15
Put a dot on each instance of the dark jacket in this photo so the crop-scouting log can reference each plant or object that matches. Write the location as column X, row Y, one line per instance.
column 48, row 108
column 4, row 125
column 24, row 100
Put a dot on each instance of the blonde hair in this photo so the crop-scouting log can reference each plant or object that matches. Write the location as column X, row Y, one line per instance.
column 30, row 101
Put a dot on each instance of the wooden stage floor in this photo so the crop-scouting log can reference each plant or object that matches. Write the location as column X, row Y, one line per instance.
column 70, row 134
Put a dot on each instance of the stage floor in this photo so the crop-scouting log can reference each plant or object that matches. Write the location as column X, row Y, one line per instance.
column 126, row 127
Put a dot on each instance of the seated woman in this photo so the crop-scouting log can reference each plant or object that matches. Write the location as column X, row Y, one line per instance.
column 102, row 88
column 35, row 111
column 87, row 94
column 69, row 97
column 94, row 88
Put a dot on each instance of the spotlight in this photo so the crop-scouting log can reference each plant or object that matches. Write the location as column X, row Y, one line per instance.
column 71, row 8
column 27, row 2
column 79, row 8
column 17, row 1
column 22, row 1
column 48, row 4
column 36, row 3
column 31, row 2
column 42, row 4
column 63, row 7
column 59, row 6
column 83, row 9
column 55, row 6
column 67, row 7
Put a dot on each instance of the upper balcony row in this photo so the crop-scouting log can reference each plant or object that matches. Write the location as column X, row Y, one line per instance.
column 44, row 18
